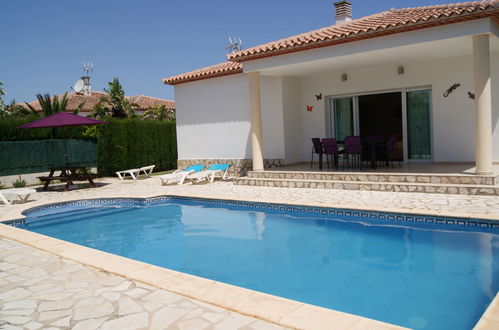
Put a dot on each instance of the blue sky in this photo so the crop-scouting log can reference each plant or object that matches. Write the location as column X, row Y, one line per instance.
column 44, row 43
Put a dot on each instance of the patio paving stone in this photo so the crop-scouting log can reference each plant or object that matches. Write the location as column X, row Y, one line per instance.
column 100, row 300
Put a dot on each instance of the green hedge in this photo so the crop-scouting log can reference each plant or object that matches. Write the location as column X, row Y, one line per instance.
column 126, row 144
column 121, row 144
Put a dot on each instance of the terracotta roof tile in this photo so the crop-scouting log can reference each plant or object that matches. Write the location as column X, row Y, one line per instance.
column 143, row 102
column 89, row 101
column 217, row 70
column 388, row 22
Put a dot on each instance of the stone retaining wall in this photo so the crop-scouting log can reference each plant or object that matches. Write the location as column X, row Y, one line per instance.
column 238, row 167
column 379, row 177
column 460, row 189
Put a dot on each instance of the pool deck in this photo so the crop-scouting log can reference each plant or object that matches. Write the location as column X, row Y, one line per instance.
column 201, row 303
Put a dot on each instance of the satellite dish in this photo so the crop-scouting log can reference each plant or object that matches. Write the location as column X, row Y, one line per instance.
column 78, row 87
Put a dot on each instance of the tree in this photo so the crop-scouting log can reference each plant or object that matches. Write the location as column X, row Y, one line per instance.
column 160, row 113
column 3, row 112
column 18, row 111
column 2, row 93
column 114, row 104
column 50, row 105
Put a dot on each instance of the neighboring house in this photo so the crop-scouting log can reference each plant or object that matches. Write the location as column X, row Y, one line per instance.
column 142, row 102
column 409, row 72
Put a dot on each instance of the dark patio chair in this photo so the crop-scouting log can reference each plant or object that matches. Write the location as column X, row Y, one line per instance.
column 376, row 144
column 393, row 151
column 330, row 149
column 316, row 149
column 353, row 151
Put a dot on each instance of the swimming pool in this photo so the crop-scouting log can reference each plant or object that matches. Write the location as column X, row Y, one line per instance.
column 414, row 271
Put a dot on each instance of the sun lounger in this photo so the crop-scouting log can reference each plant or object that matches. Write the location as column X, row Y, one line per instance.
column 210, row 174
column 135, row 172
column 147, row 169
column 180, row 175
column 10, row 195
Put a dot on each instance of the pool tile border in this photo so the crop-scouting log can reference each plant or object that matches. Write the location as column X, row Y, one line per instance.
column 342, row 212
column 377, row 215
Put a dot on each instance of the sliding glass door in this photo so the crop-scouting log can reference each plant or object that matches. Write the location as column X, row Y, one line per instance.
column 402, row 113
column 342, row 118
column 418, row 125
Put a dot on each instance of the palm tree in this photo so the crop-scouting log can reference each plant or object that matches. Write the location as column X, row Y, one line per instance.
column 50, row 105
column 114, row 104
column 159, row 113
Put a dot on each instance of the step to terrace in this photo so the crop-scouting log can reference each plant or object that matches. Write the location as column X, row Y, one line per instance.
column 396, row 182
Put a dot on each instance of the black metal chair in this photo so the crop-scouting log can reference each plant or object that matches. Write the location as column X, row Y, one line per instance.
column 393, row 152
column 316, row 150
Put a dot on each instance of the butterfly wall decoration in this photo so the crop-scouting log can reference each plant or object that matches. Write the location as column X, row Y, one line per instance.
column 318, row 96
column 309, row 108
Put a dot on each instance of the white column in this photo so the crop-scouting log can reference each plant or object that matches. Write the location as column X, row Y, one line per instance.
column 256, row 121
column 483, row 104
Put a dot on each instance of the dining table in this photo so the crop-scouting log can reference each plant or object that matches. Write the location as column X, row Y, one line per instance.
column 374, row 147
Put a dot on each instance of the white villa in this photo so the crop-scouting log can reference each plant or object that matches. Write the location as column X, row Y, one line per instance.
column 428, row 74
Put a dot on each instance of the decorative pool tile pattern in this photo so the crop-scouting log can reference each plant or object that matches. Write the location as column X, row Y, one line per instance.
column 436, row 204
column 331, row 212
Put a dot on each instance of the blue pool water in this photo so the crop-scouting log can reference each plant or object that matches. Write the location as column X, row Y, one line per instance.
column 418, row 275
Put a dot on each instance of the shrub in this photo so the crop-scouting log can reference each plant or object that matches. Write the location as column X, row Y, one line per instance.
column 132, row 143
column 19, row 183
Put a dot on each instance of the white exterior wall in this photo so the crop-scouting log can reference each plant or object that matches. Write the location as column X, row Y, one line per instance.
column 452, row 117
column 292, row 115
column 494, row 68
column 272, row 117
column 213, row 118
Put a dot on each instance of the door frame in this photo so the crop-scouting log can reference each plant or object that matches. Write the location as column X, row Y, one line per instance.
column 329, row 116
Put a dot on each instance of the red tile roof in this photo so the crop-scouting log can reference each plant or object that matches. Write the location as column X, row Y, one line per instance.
column 384, row 23
column 75, row 99
column 217, row 70
column 381, row 24
column 89, row 101
column 143, row 102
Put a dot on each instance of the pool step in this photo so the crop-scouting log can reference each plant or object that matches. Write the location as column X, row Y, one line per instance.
column 74, row 216
column 436, row 188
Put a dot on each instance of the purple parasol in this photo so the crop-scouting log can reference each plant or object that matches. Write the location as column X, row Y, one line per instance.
column 62, row 119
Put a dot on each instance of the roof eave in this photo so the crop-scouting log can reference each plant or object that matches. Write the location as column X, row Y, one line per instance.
column 174, row 82
column 366, row 35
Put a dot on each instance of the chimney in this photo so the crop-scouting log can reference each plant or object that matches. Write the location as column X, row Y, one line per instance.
column 343, row 12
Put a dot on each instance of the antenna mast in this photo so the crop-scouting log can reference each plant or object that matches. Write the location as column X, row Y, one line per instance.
column 235, row 44
column 88, row 67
